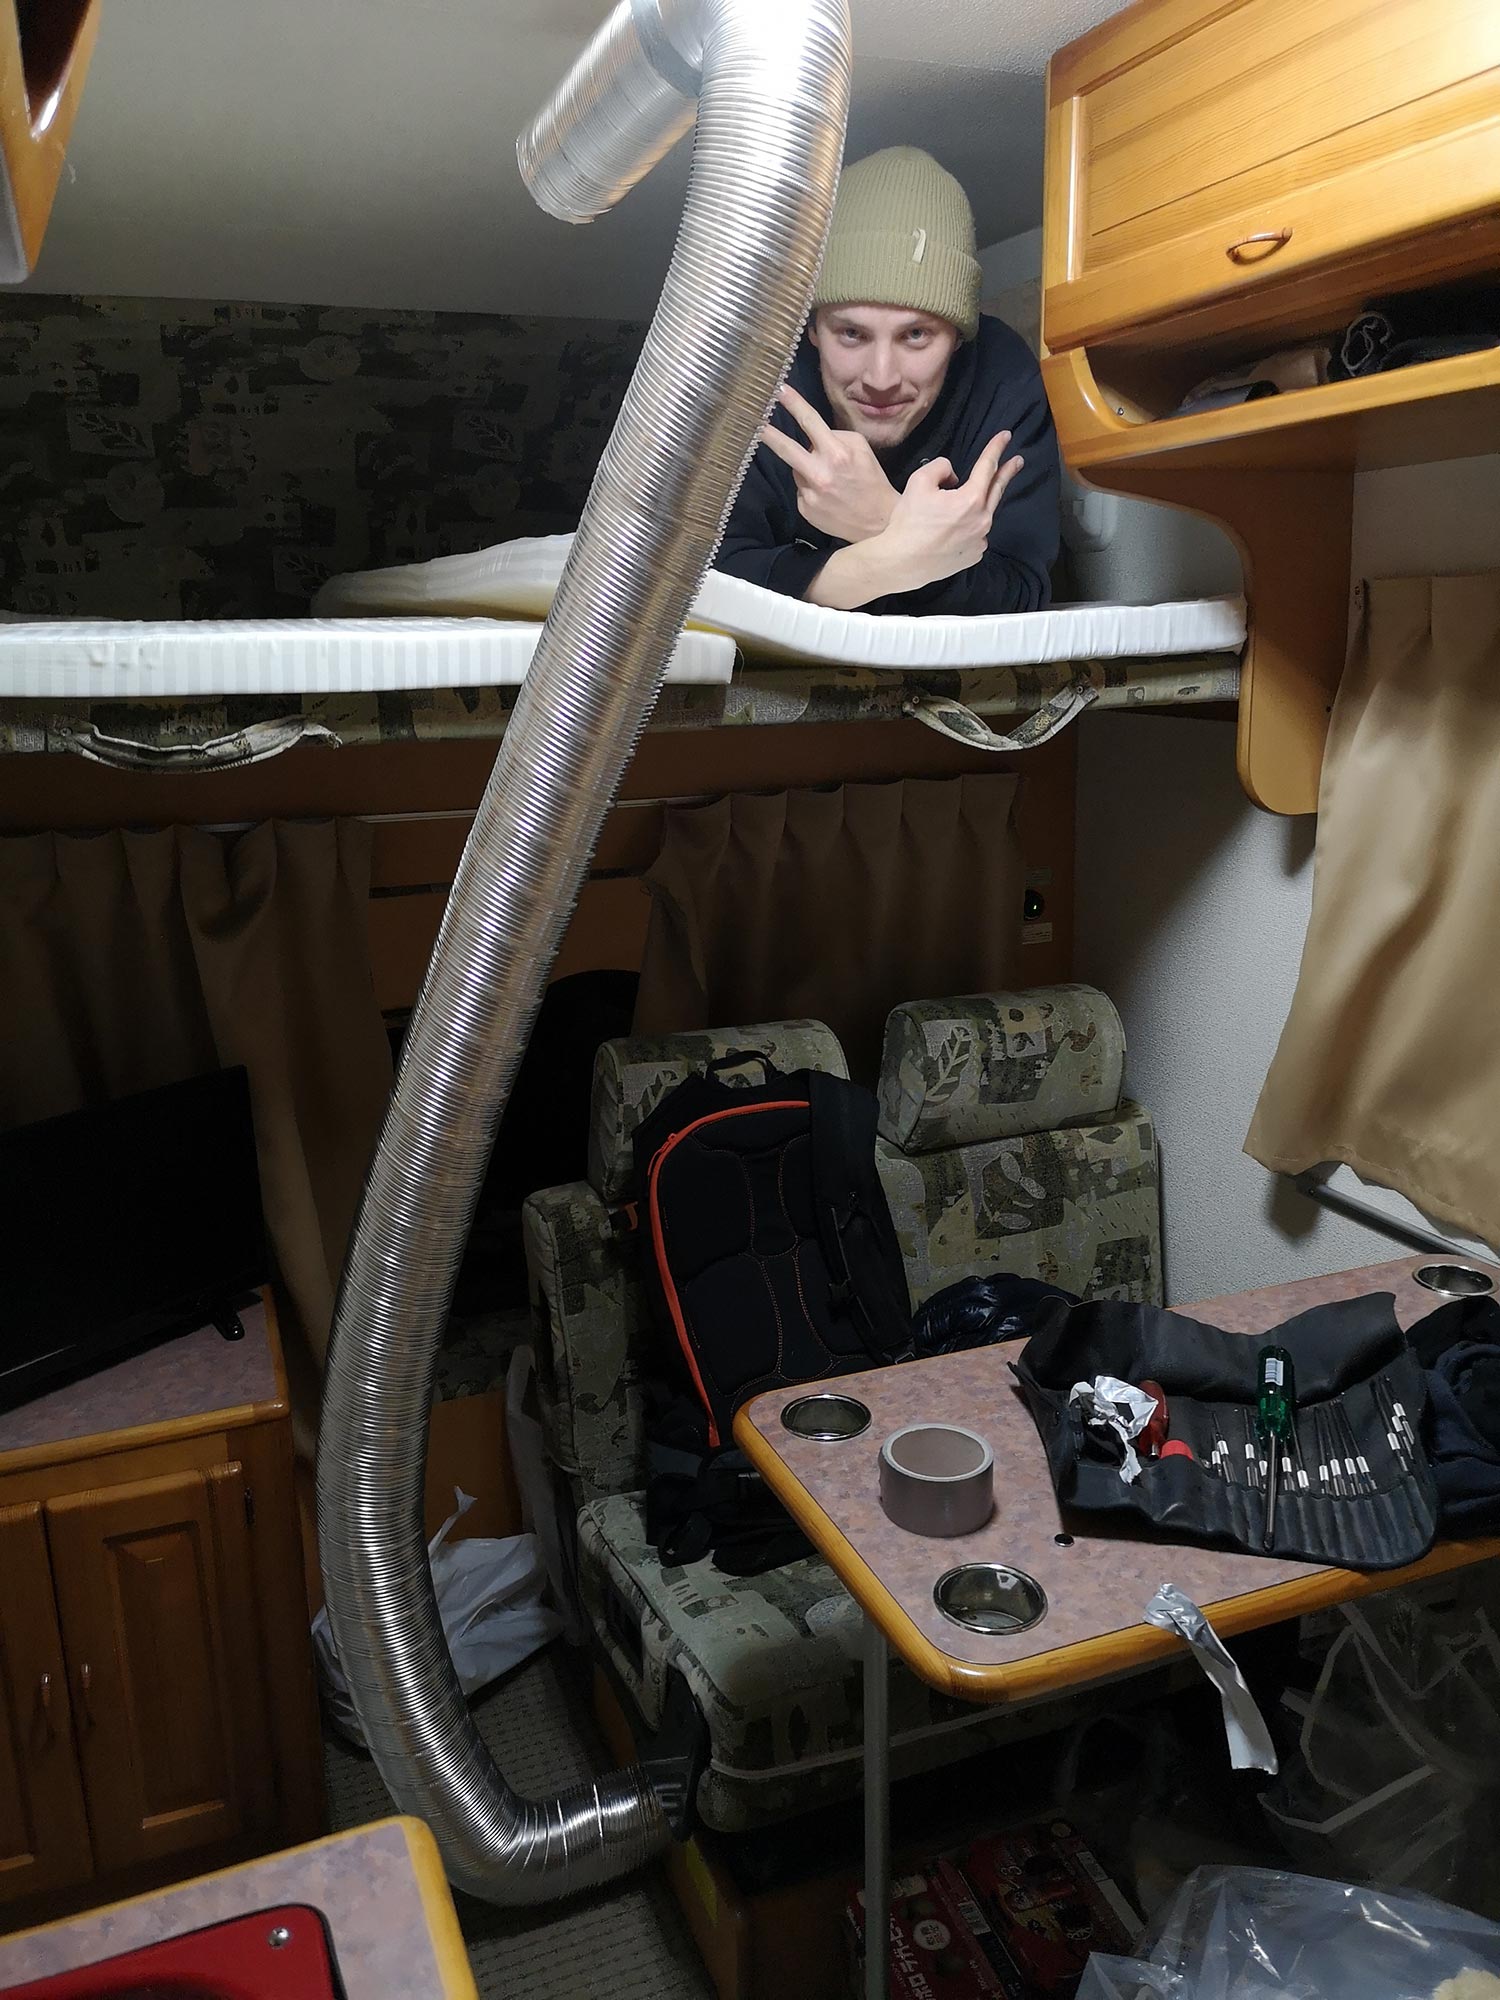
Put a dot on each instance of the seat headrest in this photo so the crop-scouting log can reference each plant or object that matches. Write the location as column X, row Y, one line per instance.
column 631, row 1077
column 995, row 1065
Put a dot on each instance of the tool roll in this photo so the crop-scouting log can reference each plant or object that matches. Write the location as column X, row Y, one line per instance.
column 1355, row 1487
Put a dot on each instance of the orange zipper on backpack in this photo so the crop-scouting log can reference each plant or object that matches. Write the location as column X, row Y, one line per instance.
column 674, row 1304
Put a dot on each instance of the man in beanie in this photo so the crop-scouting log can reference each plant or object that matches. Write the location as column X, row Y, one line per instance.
column 911, row 465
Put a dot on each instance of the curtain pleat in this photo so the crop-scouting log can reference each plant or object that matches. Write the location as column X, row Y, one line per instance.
column 129, row 960
column 1390, row 1059
column 833, row 904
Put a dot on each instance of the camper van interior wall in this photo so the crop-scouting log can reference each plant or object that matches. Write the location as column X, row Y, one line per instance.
column 734, row 303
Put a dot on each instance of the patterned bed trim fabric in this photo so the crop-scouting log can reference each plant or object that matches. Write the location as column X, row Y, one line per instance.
column 995, row 1065
column 760, row 697
column 774, row 1663
column 632, row 1076
column 1079, row 1207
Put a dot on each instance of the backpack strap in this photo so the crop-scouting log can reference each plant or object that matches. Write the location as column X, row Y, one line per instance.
column 738, row 1058
column 854, row 1219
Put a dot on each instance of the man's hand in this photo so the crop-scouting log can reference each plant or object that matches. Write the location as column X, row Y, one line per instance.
column 841, row 489
column 938, row 527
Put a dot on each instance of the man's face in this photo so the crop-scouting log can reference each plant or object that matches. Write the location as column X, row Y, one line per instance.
column 883, row 367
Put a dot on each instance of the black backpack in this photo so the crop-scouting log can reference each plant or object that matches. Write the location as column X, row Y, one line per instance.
column 769, row 1258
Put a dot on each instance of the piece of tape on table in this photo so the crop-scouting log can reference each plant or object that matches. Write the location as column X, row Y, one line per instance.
column 1250, row 1745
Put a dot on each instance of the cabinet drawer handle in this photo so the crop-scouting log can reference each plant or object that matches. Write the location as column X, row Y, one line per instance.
column 44, row 1706
column 86, row 1692
column 1264, row 243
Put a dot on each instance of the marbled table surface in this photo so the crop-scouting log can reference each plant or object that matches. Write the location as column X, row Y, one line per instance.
column 196, row 1375
column 363, row 1882
column 1099, row 1583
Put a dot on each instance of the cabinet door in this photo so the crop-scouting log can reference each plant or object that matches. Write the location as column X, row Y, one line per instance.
column 44, row 1836
column 1201, row 150
column 154, row 1587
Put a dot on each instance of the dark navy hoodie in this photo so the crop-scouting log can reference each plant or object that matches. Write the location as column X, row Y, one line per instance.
column 993, row 384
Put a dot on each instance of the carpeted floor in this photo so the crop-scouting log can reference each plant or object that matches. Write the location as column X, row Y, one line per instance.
column 627, row 1942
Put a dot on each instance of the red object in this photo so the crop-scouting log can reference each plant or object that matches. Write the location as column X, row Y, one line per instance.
column 231, row 1961
column 1050, row 1905
column 934, row 1954
column 1175, row 1448
column 1154, row 1436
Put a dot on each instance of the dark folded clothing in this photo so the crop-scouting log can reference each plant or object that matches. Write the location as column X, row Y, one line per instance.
column 1459, row 1347
column 1418, row 326
column 976, row 1312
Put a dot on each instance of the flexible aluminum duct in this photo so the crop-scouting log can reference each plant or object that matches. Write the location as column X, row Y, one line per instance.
column 772, row 105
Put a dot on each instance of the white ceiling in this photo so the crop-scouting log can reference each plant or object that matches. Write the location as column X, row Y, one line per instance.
column 360, row 152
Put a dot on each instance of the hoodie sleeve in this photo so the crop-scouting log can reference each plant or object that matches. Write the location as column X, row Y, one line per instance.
column 1014, row 573
column 758, row 543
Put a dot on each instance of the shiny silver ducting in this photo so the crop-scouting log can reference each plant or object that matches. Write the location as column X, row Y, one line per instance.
column 771, row 79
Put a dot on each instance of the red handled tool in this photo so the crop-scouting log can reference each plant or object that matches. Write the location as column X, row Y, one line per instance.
column 1154, row 1441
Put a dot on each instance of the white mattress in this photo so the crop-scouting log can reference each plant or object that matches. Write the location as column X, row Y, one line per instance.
column 518, row 579
column 96, row 660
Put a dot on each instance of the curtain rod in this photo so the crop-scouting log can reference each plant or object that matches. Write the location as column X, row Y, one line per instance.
column 441, row 814
column 1354, row 1210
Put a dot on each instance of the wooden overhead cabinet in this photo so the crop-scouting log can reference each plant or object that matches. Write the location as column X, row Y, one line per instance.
column 1221, row 150
column 45, row 47
column 1226, row 178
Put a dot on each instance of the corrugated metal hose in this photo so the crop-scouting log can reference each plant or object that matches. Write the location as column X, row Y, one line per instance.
column 771, row 79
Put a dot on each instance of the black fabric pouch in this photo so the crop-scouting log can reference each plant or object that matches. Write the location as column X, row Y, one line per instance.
column 1459, row 1346
column 1352, row 1365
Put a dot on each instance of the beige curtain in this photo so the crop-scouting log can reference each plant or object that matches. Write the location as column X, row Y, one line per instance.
column 134, row 959
column 1390, row 1060
column 834, row 904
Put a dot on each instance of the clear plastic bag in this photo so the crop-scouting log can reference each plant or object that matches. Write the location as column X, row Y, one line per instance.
column 1255, row 1934
column 489, row 1595
column 1397, row 1777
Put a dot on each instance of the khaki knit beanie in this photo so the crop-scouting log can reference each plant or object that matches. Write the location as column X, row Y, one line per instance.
column 902, row 235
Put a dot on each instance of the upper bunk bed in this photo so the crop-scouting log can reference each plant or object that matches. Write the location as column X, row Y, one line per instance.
column 439, row 650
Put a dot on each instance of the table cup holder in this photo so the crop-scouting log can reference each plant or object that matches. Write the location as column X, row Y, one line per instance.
column 1454, row 1281
column 828, row 1418
column 991, row 1598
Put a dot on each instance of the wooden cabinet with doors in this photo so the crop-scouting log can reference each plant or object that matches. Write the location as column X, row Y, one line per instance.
column 1229, row 179
column 1207, row 152
column 157, row 1710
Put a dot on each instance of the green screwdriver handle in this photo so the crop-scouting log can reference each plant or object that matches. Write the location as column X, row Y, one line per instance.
column 1277, row 1397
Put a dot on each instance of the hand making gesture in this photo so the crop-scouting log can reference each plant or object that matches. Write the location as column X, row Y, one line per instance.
column 940, row 526
column 936, row 528
column 841, row 489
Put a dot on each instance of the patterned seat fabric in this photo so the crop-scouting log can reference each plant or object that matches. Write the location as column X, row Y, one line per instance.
column 774, row 1664
column 1005, row 1146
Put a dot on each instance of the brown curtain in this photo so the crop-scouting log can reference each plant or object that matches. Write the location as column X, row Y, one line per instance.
column 1390, row 1060
column 134, row 959
column 833, row 904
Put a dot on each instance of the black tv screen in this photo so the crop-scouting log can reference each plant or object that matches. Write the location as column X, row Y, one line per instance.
column 124, row 1224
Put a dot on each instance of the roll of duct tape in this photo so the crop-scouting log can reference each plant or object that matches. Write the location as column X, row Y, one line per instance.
column 937, row 1479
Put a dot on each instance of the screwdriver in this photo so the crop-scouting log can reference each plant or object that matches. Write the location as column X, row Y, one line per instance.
column 1275, row 1403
